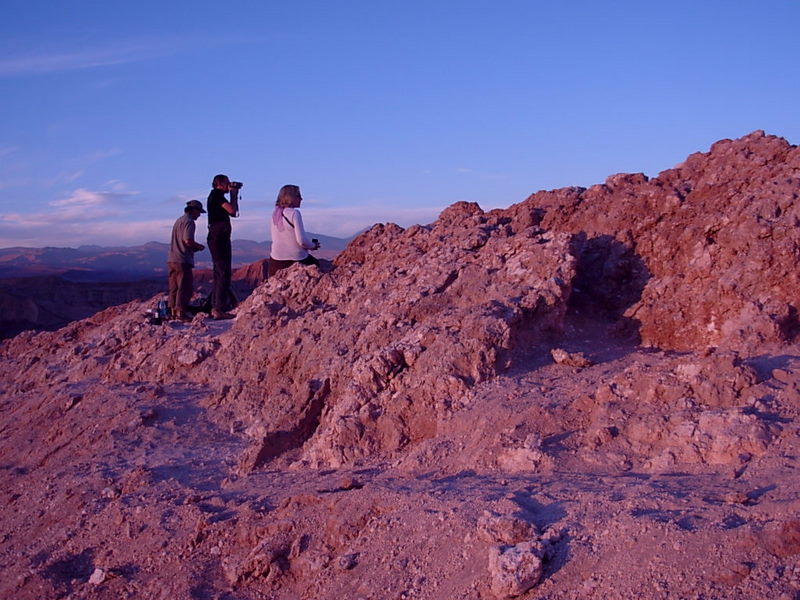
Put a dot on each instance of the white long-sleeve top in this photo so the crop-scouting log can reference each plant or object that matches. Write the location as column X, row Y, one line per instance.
column 289, row 242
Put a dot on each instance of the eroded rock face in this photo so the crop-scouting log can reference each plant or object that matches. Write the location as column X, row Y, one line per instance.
column 371, row 355
column 701, row 412
column 358, row 359
column 703, row 255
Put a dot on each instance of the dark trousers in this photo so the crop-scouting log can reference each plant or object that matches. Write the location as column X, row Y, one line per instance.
column 277, row 265
column 219, row 244
column 180, row 287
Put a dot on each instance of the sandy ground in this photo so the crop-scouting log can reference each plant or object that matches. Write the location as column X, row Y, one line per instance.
column 135, row 492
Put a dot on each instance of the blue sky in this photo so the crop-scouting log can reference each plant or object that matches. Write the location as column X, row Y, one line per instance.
column 113, row 114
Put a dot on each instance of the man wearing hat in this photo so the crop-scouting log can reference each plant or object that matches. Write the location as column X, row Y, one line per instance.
column 180, row 260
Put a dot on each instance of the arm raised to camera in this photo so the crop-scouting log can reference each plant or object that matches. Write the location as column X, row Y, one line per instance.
column 233, row 206
column 234, row 203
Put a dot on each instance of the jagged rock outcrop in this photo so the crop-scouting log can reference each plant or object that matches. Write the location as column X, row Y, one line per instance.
column 704, row 255
column 357, row 361
column 373, row 354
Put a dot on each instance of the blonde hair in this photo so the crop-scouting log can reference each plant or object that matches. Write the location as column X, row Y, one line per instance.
column 288, row 196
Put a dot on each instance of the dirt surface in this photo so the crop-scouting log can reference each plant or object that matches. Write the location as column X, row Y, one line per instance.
column 134, row 493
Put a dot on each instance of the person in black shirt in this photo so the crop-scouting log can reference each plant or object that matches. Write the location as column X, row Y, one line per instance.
column 220, row 211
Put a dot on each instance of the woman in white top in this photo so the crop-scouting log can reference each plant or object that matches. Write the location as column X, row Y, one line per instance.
column 290, row 244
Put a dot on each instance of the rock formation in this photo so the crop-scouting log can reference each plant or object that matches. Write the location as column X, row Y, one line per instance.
column 704, row 255
column 593, row 393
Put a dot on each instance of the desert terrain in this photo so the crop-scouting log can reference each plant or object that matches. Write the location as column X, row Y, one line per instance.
column 47, row 288
column 594, row 393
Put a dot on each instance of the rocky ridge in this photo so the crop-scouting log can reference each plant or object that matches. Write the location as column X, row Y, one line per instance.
column 704, row 255
column 579, row 396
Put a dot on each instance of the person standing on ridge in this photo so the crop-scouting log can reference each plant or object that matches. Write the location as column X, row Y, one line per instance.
column 290, row 244
column 180, row 260
column 220, row 211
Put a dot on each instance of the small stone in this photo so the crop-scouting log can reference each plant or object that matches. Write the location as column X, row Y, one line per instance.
column 781, row 539
column 505, row 529
column 111, row 492
column 147, row 414
column 73, row 401
column 347, row 561
column 731, row 574
column 736, row 498
column 350, row 483
column 98, row 576
column 515, row 570
column 574, row 359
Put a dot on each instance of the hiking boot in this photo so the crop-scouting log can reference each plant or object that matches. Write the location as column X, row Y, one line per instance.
column 221, row 315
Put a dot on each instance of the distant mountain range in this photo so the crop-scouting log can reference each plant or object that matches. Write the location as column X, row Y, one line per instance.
column 114, row 264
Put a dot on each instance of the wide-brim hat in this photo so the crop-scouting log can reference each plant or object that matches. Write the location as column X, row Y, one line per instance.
column 196, row 204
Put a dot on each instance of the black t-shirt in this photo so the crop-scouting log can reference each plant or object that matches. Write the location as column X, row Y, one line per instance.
column 217, row 214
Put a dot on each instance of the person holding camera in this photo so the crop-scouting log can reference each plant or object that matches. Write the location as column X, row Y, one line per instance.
column 220, row 211
column 180, row 260
column 290, row 244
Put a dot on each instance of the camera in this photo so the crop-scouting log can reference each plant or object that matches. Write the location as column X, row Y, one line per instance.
column 236, row 185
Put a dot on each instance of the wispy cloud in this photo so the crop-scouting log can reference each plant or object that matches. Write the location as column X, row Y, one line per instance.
column 13, row 168
column 80, row 212
column 64, row 177
column 336, row 221
column 89, row 205
column 99, row 155
column 69, row 60
column 108, row 217
column 74, row 234
column 112, row 218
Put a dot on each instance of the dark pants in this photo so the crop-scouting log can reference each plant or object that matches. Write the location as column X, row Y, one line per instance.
column 180, row 287
column 219, row 244
column 277, row 265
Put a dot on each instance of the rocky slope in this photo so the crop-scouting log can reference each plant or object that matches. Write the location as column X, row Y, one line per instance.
column 591, row 394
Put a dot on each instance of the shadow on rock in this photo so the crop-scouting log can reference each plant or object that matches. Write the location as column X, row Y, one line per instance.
column 609, row 278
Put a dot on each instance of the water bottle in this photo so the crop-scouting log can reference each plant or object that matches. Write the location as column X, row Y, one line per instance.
column 162, row 310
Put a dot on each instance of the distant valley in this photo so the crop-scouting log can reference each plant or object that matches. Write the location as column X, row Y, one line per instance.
column 46, row 288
